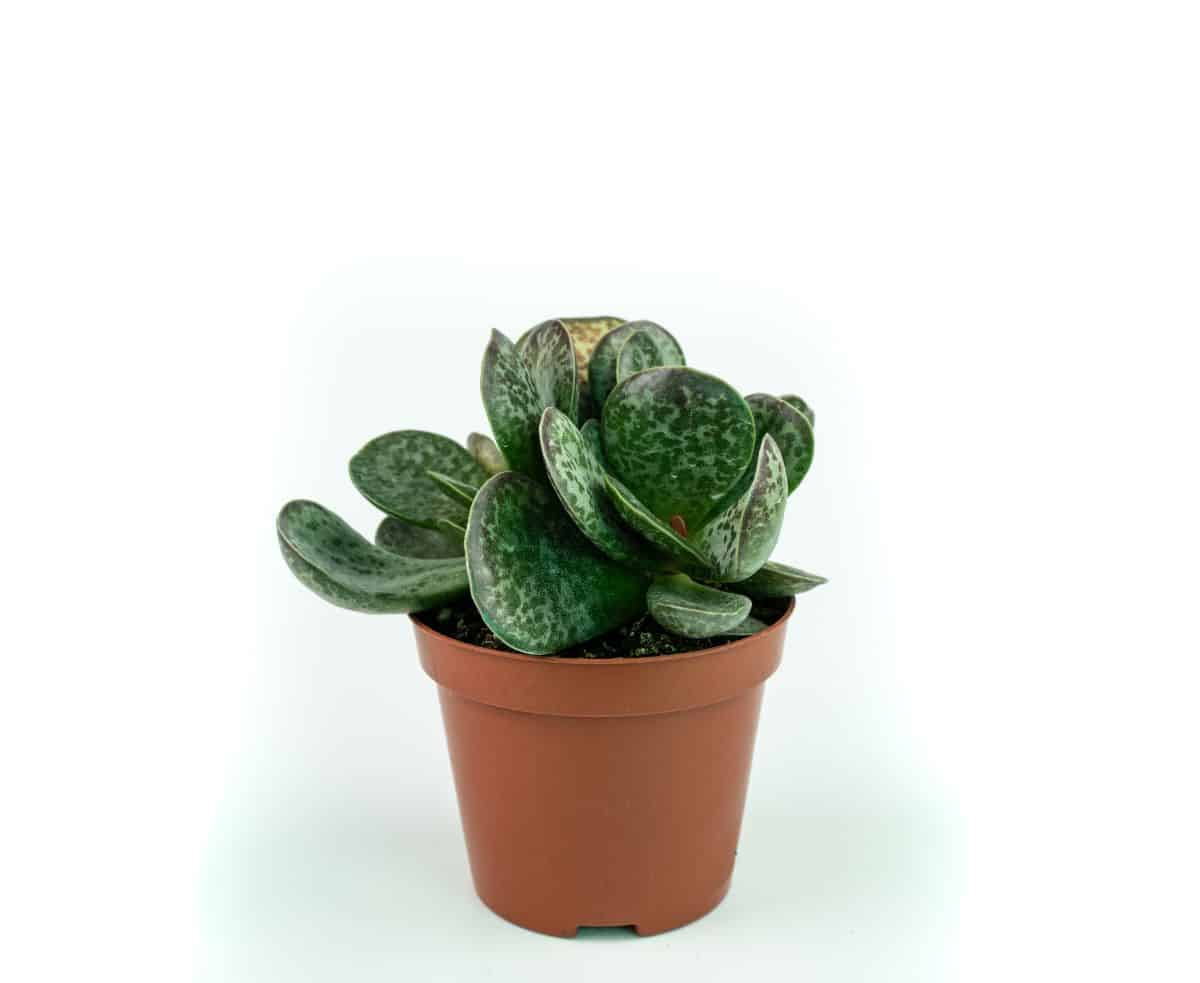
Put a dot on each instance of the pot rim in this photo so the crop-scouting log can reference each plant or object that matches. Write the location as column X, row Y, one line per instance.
column 778, row 625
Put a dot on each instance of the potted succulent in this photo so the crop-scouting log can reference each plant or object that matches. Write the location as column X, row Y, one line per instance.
column 593, row 593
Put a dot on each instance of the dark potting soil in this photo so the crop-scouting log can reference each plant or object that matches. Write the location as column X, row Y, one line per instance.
column 640, row 638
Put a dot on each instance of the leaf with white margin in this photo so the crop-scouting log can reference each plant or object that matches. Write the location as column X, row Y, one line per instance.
column 578, row 478
column 693, row 610
column 738, row 541
column 338, row 564
column 779, row 580
column 392, row 472
column 513, row 405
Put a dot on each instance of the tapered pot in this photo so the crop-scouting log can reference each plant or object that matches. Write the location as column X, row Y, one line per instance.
column 601, row 791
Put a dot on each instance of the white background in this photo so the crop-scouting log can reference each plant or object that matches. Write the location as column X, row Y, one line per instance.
column 238, row 240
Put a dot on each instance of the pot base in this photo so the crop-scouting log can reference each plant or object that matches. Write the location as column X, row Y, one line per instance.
column 653, row 924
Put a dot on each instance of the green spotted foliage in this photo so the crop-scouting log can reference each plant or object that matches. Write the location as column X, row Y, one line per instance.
column 618, row 482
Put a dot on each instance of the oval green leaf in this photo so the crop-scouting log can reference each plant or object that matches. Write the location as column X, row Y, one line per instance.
column 578, row 478
column 550, row 355
column 737, row 541
column 537, row 581
column 406, row 539
column 602, row 369
column 687, row 608
column 779, row 580
column 392, row 473
column 644, row 350
column 791, row 429
column 334, row 561
column 678, row 438
column 513, row 405
column 797, row 403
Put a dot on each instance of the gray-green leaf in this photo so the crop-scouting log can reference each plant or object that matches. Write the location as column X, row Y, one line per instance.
column 690, row 609
column 335, row 562
column 779, row 580
column 678, row 438
column 602, row 369
column 578, row 477
column 513, row 405
column 645, row 350
column 738, row 540
column 409, row 540
column 803, row 407
column 550, row 355
column 751, row 626
column 537, row 581
column 392, row 473
column 791, row 429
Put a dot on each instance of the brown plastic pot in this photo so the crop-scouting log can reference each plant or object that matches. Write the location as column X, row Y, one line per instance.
column 601, row 792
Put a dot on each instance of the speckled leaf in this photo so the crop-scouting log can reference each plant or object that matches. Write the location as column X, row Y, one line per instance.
column 803, row 407
column 536, row 580
column 690, row 609
column 644, row 351
column 513, row 405
column 602, row 370
column 779, row 580
column 751, row 626
column 591, row 433
column 739, row 540
column 486, row 453
column 678, row 438
column 650, row 527
column 406, row 539
column 464, row 491
column 452, row 527
column 549, row 353
column 792, row 432
column 578, row 478
column 334, row 561
column 391, row 472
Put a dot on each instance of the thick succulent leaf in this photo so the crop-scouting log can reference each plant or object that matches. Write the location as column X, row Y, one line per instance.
column 464, row 491
column 678, row 438
column 451, row 527
column 591, row 433
column 512, row 404
column 550, row 355
column 409, row 540
column 602, row 370
column 738, row 540
column 803, row 407
column 751, row 626
column 486, row 453
column 392, row 472
column 644, row 350
column 779, row 580
column 792, row 432
column 334, row 561
column 690, row 609
column 536, row 580
column 578, row 477
column 639, row 518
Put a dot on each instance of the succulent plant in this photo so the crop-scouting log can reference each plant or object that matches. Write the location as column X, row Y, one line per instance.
column 619, row 481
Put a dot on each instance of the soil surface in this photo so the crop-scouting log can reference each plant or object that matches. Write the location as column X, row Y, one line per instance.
column 640, row 638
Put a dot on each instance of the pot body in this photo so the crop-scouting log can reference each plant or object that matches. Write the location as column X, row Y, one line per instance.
column 601, row 792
